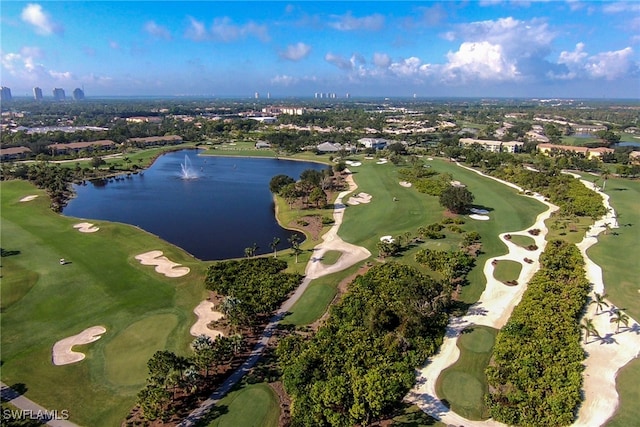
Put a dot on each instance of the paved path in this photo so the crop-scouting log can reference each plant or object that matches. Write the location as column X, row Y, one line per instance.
column 31, row 410
column 351, row 255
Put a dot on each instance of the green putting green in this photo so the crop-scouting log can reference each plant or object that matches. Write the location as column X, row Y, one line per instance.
column 464, row 384
column 331, row 257
column 101, row 284
column 522, row 241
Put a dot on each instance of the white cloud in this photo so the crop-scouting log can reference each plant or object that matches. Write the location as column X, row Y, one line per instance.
column 339, row 61
column 157, row 31
column 408, row 67
column 40, row 20
column 348, row 22
column 611, row 65
column 479, row 61
column 225, row 30
column 621, row 7
column 196, row 30
column 284, row 80
column 26, row 66
column 381, row 60
column 295, row 52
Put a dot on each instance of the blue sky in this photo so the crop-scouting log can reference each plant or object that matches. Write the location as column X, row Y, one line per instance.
column 569, row 49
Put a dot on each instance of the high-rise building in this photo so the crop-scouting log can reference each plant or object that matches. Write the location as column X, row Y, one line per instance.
column 256, row 95
column 78, row 94
column 5, row 94
column 37, row 93
column 58, row 94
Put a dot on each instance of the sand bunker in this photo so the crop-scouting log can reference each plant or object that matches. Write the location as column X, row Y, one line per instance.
column 479, row 217
column 162, row 263
column 457, row 184
column 387, row 239
column 359, row 198
column 206, row 314
column 405, row 184
column 381, row 162
column 352, row 163
column 28, row 198
column 62, row 350
column 86, row 227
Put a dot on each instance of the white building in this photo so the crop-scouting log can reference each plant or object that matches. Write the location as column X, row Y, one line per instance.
column 494, row 146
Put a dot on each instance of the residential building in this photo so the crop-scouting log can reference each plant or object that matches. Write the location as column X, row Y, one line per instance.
column 37, row 93
column 589, row 153
column 494, row 146
column 74, row 147
column 14, row 153
column 58, row 94
column 377, row 143
column 155, row 140
column 5, row 94
column 329, row 147
column 144, row 119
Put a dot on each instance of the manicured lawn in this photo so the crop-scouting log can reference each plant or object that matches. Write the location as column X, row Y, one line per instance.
column 628, row 412
column 522, row 241
column 507, row 270
column 616, row 253
column 331, row 257
column 464, row 383
column 569, row 229
column 365, row 224
column 102, row 285
column 316, row 299
column 254, row 405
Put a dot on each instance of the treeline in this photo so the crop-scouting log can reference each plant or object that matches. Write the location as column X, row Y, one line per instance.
column 568, row 193
column 360, row 364
column 535, row 373
column 311, row 188
column 251, row 287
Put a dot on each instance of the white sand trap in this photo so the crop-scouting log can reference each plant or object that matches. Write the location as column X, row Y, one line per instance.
column 405, row 184
column 429, row 158
column 457, row 184
column 479, row 211
column 206, row 314
column 62, row 350
column 368, row 158
column 381, row 162
column 162, row 263
column 86, row 227
column 28, row 198
column 387, row 239
column 479, row 217
column 353, row 163
column 359, row 198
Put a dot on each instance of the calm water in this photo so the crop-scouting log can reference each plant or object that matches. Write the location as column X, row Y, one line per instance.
column 216, row 216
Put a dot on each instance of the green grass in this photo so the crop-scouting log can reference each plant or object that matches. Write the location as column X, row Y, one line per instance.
column 464, row 384
column 569, row 229
column 522, row 241
column 316, row 299
column 331, row 257
column 616, row 253
column 507, row 270
column 627, row 382
column 254, row 405
column 102, row 285
column 364, row 224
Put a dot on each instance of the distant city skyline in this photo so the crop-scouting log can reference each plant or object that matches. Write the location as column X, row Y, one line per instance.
column 488, row 48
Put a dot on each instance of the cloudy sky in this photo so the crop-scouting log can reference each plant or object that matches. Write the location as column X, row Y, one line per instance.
column 587, row 49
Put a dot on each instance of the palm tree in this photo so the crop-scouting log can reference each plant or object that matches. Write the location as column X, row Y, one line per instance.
column 599, row 301
column 589, row 329
column 605, row 177
column 619, row 317
column 294, row 240
column 274, row 244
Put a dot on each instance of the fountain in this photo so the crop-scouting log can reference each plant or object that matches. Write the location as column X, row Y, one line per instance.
column 187, row 171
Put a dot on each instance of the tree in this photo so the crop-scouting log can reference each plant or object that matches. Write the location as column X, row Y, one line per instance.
column 294, row 241
column 589, row 329
column 278, row 182
column 96, row 162
column 318, row 197
column 274, row 245
column 599, row 301
column 290, row 192
column 231, row 307
column 250, row 252
column 203, row 353
column 619, row 317
column 456, row 199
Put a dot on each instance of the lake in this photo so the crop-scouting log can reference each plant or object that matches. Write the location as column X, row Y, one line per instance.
column 225, row 209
